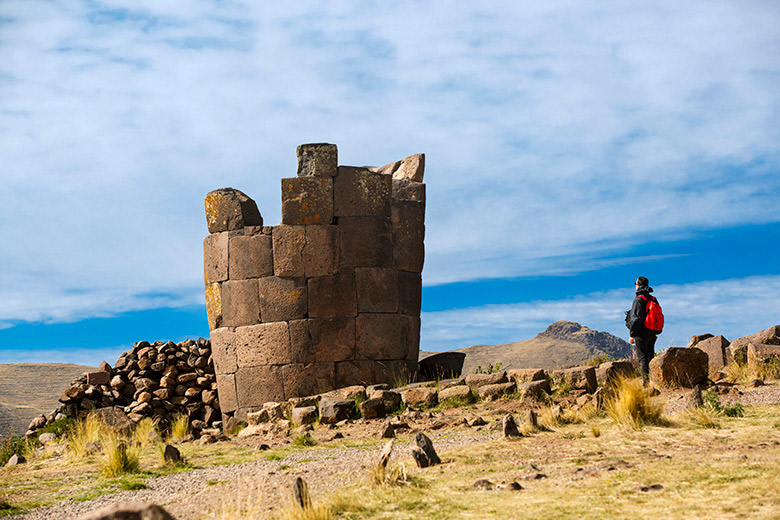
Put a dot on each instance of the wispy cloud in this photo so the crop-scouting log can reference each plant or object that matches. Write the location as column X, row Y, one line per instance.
column 733, row 308
column 555, row 133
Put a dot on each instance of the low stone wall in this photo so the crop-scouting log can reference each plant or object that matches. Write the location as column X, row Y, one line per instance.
column 327, row 299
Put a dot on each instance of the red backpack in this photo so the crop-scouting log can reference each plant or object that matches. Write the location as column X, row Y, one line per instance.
column 654, row 318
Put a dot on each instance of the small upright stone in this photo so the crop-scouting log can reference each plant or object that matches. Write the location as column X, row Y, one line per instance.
column 228, row 209
column 426, row 445
column 171, row 454
column 509, row 426
column 317, row 160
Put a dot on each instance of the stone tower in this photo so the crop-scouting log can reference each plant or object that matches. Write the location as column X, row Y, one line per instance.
column 326, row 299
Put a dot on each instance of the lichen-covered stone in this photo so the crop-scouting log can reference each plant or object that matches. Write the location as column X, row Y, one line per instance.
column 282, row 299
column 226, row 387
column 214, row 305
column 359, row 192
column 307, row 200
column 715, row 348
column 229, row 209
column 223, row 350
column 321, row 251
column 679, row 366
column 240, row 303
column 288, row 244
column 317, row 160
column 407, row 190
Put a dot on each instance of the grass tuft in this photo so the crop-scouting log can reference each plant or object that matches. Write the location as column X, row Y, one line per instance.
column 632, row 407
column 119, row 457
column 179, row 428
column 702, row 417
column 388, row 476
column 304, row 439
column 89, row 430
column 146, row 432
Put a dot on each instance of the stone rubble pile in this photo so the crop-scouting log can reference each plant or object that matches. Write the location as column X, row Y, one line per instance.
column 158, row 380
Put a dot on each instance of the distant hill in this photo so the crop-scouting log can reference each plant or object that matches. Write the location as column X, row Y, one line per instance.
column 29, row 389
column 563, row 344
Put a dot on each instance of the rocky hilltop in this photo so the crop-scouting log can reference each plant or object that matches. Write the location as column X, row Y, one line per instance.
column 562, row 344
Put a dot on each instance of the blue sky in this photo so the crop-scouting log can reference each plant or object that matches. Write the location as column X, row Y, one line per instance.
column 569, row 148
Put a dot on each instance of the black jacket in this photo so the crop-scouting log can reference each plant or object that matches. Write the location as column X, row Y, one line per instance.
column 635, row 318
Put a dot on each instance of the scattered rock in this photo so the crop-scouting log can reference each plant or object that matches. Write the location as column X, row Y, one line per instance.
column 46, row 438
column 304, row 415
column 534, row 390
column 694, row 399
column 171, row 454
column 461, row 392
column 532, row 419
column 426, row 447
column 15, row 460
column 387, row 451
column 512, row 486
column 654, row 487
column 373, row 408
column 475, row 381
column 483, row 484
column 509, row 426
column 577, row 378
column 608, row 373
column 754, row 383
column 333, row 411
column 388, row 431
column 476, row 421
column 421, row 396
column 492, row 392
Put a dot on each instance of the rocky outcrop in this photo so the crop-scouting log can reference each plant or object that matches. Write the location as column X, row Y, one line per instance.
column 737, row 350
column 679, row 366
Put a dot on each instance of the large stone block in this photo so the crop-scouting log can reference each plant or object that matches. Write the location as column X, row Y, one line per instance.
column 226, row 388
column 409, row 293
column 288, row 244
column 258, row 385
column 408, row 218
column 577, row 378
column 228, row 209
column 317, row 160
column 215, row 258
column 737, row 351
column 282, row 299
column 356, row 372
column 319, row 340
column 240, row 304
column 359, row 192
column 333, row 296
column 365, row 242
column 382, row 336
column 715, row 348
column 307, row 200
column 321, row 251
column 413, row 344
column 679, row 366
column 308, row 379
column 406, row 190
column 475, row 381
column 214, row 305
column 610, row 372
column 223, row 350
column 263, row 344
column 759, row 355
column 524, row 375
column 250, row 257
column 377, row 289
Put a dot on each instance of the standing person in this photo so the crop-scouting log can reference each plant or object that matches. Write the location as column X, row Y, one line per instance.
column 641, row 336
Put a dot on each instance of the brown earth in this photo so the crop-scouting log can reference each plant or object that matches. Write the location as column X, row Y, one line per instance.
column 29, row 389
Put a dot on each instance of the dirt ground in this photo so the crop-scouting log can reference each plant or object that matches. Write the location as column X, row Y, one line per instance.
column 589, row 469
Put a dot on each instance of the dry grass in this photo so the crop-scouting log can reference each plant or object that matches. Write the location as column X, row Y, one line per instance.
column 119, row 457
column 631, row 406
column 701, row 417
column 84, row 432
column 394, row 475
column 550, row 419
column 146, row 432
column 179, row 428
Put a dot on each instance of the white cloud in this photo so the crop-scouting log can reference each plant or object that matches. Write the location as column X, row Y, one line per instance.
column 734, row 308
column 545, row 126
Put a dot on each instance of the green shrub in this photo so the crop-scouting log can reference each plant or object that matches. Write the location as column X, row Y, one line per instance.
column 712, row 401
column 304, row 440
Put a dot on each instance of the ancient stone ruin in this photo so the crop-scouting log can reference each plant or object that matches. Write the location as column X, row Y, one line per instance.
column 326, row 299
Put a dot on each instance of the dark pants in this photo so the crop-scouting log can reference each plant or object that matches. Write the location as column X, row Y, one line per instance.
column 645, row 350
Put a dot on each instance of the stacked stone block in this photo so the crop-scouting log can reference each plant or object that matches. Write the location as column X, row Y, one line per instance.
column 326, row 299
